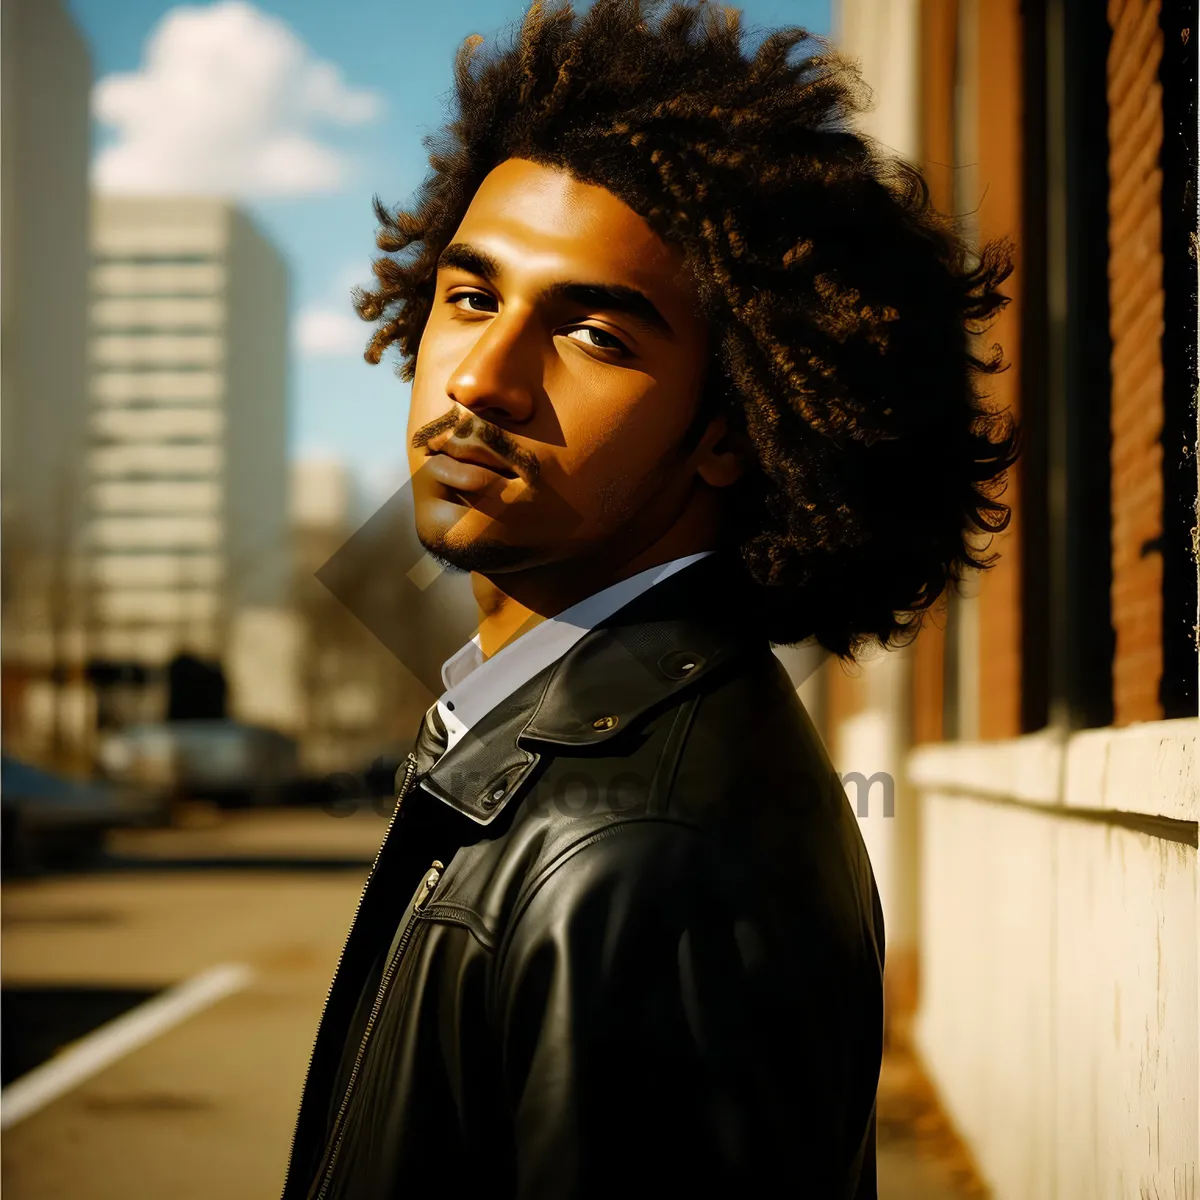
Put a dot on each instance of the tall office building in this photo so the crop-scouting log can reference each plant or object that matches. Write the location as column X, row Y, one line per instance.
column 45, row 81
column 187, row 472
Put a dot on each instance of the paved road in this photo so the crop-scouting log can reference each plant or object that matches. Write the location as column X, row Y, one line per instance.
column 206, row 1109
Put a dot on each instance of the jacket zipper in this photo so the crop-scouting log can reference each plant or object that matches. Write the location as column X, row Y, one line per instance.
column 420, row 898
column 410, row 768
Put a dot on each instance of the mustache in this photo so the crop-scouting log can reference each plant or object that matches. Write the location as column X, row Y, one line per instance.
column 467, row 427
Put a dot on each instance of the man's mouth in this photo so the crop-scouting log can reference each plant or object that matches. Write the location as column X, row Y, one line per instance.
column 464, row 476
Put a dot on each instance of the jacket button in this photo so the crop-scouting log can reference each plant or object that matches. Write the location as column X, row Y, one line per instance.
column 675, row 664
column 604, row 723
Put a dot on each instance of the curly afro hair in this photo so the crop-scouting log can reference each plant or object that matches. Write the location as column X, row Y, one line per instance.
column 845, row 310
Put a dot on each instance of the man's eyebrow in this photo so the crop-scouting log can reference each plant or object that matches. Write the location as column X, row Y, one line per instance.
column 469, row 258
column 614, row 297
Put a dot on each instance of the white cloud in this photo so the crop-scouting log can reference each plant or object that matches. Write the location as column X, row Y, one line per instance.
column 227, row 101
column 330, row 333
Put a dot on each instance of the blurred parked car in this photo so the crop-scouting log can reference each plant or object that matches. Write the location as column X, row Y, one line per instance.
column 220, row 760
column 343, row 792
column 49, row 820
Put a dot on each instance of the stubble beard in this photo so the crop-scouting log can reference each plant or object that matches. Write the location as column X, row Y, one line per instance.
column 620, row 503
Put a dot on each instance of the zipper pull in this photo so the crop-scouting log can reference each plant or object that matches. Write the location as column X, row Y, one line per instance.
column 427, row 885
column 404, row 776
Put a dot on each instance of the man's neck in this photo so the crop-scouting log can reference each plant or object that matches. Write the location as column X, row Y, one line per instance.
column 512, row 603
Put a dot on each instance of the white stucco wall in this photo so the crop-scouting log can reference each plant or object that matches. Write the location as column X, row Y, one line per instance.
column 872, row 743
column 883, row 36
column 1058, row 932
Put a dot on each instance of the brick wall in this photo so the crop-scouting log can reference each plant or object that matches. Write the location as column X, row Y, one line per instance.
column 1136, row 323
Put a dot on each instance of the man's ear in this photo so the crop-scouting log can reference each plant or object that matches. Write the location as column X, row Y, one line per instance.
column 722, row 455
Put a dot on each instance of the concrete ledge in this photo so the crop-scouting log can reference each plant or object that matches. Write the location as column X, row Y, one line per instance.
column 1151, row 768
column 1025, row 769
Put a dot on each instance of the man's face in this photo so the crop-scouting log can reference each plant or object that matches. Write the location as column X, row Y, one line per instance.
column 565, row 339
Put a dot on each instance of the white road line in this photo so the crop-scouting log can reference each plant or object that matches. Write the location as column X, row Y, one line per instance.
column 117, row 1038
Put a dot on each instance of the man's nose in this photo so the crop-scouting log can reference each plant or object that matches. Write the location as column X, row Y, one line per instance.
column 500, row 372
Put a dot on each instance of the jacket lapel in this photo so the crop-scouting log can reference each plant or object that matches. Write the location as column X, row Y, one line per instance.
column 673, row 635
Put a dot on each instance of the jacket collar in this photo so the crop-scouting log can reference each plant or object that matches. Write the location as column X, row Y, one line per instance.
column 665, row 640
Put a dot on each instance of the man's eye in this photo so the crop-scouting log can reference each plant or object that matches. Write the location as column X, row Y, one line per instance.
column 481, row 302
column 607, row 342
column 483, row 296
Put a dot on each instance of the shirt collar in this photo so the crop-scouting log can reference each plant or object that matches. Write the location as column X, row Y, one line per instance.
column 475, row 685
column 461, row 663
column 669, row 638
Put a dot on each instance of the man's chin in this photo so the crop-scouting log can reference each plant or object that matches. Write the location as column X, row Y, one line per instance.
column 479, row 554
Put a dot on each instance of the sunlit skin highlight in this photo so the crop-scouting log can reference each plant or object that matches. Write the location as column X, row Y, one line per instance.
column 586, row 397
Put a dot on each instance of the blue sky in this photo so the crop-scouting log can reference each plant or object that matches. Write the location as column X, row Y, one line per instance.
column 355, row 131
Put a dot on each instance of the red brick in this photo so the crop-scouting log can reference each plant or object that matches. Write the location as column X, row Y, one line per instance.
column 1136, row 325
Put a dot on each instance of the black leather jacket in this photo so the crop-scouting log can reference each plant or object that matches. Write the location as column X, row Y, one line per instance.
column 632, row 946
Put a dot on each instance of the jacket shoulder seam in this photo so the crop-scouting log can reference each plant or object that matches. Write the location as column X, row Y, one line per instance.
column 569, row 852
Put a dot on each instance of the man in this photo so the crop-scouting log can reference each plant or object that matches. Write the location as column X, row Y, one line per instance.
column 692, row 375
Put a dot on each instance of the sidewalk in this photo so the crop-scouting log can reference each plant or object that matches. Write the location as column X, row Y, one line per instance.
column 920, row 1156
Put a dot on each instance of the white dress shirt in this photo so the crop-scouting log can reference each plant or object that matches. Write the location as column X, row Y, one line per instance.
column 475, row 685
